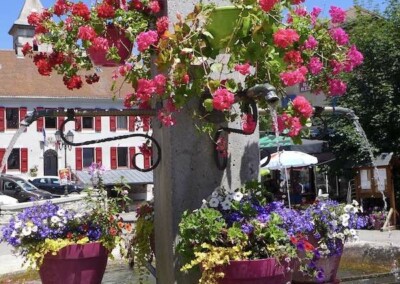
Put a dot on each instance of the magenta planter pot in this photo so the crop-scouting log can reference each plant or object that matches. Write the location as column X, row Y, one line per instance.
column 117, row 38
column 259, row 271
column 75, row 264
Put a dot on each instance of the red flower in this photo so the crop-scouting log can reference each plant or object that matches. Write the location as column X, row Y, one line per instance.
column 267, row 5
column 34, row 19
column 60, row 7
column 302, row 106
column 285, row 37
column 92, row 78
column 74, row 82
column 69, row 235
column 223, row 99
column 293, row 57
column 81, row 10
column 44, row 67
column 56, row 58
column 243, row 69
column 162, row 25
column 105, row 11
column 154, row 6
column 248, row 124
column 113, row 231
column 86, row 33
column 27, row 48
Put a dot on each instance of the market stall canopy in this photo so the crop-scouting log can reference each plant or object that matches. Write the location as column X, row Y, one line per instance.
column 288, row 159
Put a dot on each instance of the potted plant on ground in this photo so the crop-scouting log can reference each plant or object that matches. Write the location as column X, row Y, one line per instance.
column 376, row 219
column 236, row 237
column 330, row 225
column 67, row 246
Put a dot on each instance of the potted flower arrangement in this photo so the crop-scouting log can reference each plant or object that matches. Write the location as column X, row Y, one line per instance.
column 330, row 225
column 141, row 249
column 376, row 219
column 274, row 42
column 33, row 171
column 67, row 246
column 236, row 236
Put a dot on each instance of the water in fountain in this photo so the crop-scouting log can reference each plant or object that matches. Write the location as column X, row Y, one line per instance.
column 11, row 146
column 274, row 117
column 368, row 147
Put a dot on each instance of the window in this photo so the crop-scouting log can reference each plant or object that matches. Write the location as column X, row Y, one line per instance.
column 87, row 122
column 88, row 157
column 13, row 161
column 50, row 122
column 122, row 157
column 12, row 117
column 122, row 122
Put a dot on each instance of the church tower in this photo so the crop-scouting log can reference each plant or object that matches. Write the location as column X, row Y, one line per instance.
column 22, row 32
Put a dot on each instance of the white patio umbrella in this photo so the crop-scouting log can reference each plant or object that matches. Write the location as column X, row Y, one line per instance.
column 288, row 159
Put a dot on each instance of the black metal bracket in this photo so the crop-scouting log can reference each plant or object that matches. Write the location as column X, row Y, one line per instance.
column 71, row 117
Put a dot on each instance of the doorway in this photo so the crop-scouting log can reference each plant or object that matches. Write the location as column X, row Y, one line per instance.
column 50, row 163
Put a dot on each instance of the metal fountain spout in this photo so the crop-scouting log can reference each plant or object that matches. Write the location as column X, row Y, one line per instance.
column 318, row 110
column 266, row 91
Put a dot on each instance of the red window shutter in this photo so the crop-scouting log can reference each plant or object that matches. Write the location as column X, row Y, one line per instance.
column 2, row 152
column 131, row 122
column 60, row 119
column 2, row 115
column 97, row 123
column 99, row 155
column 78, row 159
column 113, row 123
column 113, row 152
column 78, row 123
column 39, row 122
column 132, row 152
column 24, row 160
column 22, row 114
column 147, row 160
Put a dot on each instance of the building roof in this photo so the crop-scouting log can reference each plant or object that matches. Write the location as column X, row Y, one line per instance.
column 19, row 78
column 114, row 177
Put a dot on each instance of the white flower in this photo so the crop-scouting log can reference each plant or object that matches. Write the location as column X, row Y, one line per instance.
column 340, row 236
column 226, row 204
column 13, row 234
column 334, row 223
column 348, row 208
column 26, row 231
column 353, row 232
column 345, row 223
column 61, row 212
column 34, row 229
column 220, row 198
column 323, row 246
column 345, row 217
column 355, row 203
column 214, row 202
column 229, row 197
column 55, row 219
column 214, row 194
column 238, row 196
column 346, row 232
column 18, row 225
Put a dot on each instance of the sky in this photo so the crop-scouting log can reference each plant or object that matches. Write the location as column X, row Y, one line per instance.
column 11, row 9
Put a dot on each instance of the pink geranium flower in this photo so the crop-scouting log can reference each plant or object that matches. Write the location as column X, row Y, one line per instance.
column 160, row 82
column 311, row 43
column 291, row 78
column 248, row 124
column 338, row 15
column 86, row 33
column 303, row 107
column 223, row 99
column 267, row 5
column 354, row 59
column 337, row 87
column 339, row 36
column 146, row 39
column 285, row 37
column 315, row 66
column 243, row 69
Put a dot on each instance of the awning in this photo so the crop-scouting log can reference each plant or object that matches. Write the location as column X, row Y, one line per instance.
column 114, row 177
column 308, row 146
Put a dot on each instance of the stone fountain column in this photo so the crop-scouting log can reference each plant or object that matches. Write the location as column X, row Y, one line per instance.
column 188, row 173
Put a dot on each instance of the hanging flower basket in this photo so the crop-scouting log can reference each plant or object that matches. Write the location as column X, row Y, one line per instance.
column 75, row 264
column 223, row 21
column 115, row 37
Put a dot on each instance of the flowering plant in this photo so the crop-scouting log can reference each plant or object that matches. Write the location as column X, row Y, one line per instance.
column 268, row 41
column 142, row 245
column 46, row 228
column 76, row 33
column 376, row 218
column 238, row 225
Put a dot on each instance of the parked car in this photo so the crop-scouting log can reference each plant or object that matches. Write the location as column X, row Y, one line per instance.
column 21, row 189
column 7, row 200
column 53, row 185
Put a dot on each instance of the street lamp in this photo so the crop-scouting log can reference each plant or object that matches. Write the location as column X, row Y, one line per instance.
column 61, row 144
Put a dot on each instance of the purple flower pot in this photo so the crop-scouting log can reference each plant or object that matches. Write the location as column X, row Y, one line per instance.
column 259, row 271
column 117, row 38
column 75, row 264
